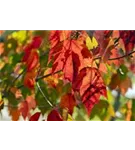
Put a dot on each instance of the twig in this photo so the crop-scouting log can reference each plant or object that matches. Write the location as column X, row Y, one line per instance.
column 116, row 57
column 44, row 95
column 18, row 77
column 45, row 76
column 41, row 77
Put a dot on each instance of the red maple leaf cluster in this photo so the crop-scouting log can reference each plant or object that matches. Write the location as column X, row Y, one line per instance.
column 31, row 58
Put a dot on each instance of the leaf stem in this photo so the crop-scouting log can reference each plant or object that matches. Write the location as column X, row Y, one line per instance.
column 44, row 95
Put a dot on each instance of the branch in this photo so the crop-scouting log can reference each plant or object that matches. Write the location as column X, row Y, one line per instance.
column 18, row 77
column 44, row 95
column 41, row 77
column 117, row 57
column 45, row 76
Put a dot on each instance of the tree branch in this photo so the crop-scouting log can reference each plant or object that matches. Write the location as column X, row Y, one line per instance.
column 45, row 76
column 44, row 95
column 117, row 57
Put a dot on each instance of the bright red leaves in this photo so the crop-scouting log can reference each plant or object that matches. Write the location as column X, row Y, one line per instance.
column 68, row 53
column 31, row 58
column 90, row 85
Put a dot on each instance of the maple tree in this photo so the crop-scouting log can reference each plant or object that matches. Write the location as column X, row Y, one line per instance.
column 65, row 75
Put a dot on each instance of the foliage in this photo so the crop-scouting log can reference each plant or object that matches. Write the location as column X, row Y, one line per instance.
column 67, row 75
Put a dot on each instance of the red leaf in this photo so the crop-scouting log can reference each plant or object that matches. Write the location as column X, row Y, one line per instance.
column 128, row 38
column 33, row 60
column 54, row 116
column 90, row 86
column 68, row 101
column 37, row 40
column 27, row 51
column 69, row 55
column 35, row 117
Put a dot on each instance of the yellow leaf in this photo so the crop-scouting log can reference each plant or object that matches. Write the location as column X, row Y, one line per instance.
column 69, row 118
column 91, row 43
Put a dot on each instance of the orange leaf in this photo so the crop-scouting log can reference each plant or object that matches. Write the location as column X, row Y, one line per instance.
column 31, row 102
column 29, row 79
column 68, row 101
column 1, row 48
column 15, row 113
column 90, row 85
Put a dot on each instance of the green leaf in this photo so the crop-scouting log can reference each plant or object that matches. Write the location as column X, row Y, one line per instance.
column 122, row 72
column 100, row 110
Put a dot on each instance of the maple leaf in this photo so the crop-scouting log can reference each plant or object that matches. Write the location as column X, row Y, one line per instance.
column 35, row 117
column 68, row 101
column 70, row 55
column 54, row 116
column 90, row 85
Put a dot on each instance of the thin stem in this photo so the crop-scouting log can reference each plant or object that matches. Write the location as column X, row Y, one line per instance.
column 18, row 77
column 117, row 57
column 45, row 76
column 44, row 95
column 41, row 77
